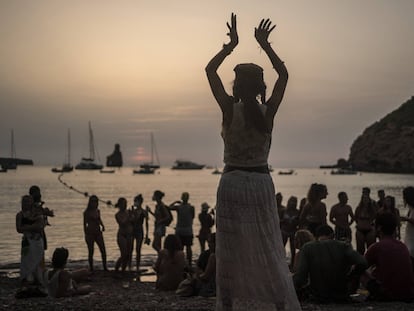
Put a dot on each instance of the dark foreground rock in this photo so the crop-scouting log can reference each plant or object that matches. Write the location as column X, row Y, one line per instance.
column 113, row 291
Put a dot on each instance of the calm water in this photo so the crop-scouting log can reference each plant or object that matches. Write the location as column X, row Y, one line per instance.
column 67, row 225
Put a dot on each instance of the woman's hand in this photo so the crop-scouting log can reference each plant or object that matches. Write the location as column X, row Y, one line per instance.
column 262, row 32
column 234, row 37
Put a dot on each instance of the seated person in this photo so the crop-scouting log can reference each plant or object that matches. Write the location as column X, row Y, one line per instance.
column 170, row 264
column 62, row 283
column 325, row 264
column 206, row 270
column 302, row 237
column 392, row 277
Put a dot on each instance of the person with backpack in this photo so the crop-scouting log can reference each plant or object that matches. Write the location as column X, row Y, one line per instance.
column 184, row 228
column 163, row 218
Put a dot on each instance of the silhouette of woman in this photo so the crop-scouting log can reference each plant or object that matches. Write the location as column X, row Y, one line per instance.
column 252, row 271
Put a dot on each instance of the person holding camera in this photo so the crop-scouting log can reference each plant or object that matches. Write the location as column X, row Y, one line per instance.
column 139, row 216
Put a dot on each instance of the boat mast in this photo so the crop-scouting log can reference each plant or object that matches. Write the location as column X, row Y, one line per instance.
column 154, row 150
column 12, row 146
column 69, row 146
column 91, row 145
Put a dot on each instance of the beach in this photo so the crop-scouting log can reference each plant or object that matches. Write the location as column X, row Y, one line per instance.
column 111, row 291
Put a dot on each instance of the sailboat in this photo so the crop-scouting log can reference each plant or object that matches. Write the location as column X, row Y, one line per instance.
column 66, row 167
column 150, row 167
column 89, row 163
column 12, row 162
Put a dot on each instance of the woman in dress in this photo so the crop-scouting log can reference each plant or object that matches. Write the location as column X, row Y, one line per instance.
column 255, row 276
column 139, row 216
column 408, row 196
column 93, row 228
column 365, row 214
column 124, row 235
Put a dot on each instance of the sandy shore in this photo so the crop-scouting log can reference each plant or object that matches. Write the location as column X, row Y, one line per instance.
column 114, row 291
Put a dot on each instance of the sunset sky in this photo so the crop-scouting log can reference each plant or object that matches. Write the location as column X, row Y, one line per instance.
column 135, row 67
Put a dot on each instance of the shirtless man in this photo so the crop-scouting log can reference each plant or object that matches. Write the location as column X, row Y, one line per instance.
column 342, row 217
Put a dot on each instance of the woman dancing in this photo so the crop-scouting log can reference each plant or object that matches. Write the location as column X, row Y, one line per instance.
column 252, row 272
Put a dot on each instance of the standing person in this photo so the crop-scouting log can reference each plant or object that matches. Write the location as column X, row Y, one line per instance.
column 314, row 212
column 408, row 197
column 206, row 223
column 289, row 222
column 366, row 191
column 38, row 207
column 139, row 215
column 365, row 214
column 184, row 227
column 124, row 235
column 389, row 207
column 93, row 228
column 381, row 198
column 342, row 217
column 246, row 213
column 162, row 217
column 31, row 225
column 280, row 207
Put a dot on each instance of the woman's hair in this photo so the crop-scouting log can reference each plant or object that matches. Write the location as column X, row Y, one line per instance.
column 315, row 193
column 392, row 202
column 303, row 236
column 292, row 202
column 158, row 194
column 139, row 198
column 249, row 84
column 408, row 195
column 370, row 205
column 122, row 203
column 91, row 198
column 59, row 258
column 172, row 244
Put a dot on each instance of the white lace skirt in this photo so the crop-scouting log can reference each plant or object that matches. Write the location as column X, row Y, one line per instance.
column 252, row 272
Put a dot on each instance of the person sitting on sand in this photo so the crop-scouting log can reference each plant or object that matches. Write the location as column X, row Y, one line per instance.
column 184, row 227
column 170, row 264
column 326, row 264
column 62, row 283
column 206, row 270
column 302, row 237
column 392, row 277
column 31, row 225
column 206, row 223
column 342, row 217
column 94, row 228
column 314, row 213
column 124, row 236
column 289, row 221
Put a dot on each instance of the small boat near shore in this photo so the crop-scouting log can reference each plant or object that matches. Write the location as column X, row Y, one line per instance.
column 216, row 172
column 150, row 167
column 288, row 172
column 343, row 171
column 103, row 171
column 187, row 165
column 145, row 169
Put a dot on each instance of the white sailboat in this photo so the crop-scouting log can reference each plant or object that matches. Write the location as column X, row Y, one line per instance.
column 67, row 166
column 89, row 163
column 150, row 167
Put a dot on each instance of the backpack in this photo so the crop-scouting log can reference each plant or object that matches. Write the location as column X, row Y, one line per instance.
column 170, row 217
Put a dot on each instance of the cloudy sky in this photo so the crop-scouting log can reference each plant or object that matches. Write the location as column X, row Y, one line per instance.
column 136, row 67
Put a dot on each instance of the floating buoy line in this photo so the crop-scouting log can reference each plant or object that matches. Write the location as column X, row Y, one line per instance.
column 85, row 194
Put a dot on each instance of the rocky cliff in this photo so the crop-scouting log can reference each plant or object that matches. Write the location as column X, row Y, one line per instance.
column 115, row 159
column 387, row 145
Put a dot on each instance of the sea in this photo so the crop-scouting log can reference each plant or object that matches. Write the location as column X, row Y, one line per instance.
column 67, row 195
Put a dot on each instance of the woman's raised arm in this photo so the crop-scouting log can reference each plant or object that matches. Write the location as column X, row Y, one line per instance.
column 222, row 98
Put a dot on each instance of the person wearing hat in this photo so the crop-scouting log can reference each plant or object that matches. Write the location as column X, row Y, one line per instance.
column 206, row 223
column 256, row 274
